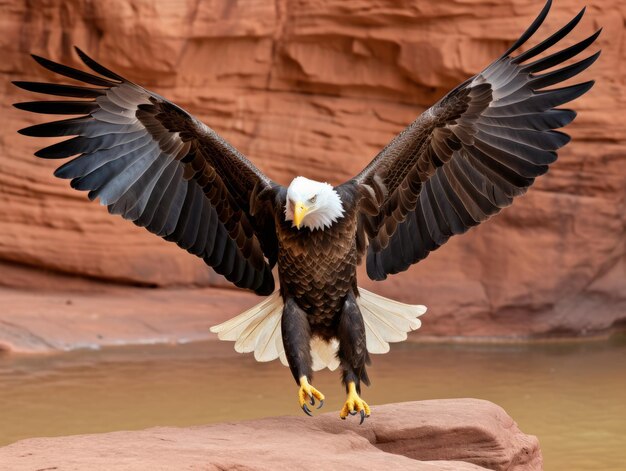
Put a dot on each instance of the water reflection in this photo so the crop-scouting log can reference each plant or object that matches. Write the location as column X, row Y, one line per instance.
column 572, row 395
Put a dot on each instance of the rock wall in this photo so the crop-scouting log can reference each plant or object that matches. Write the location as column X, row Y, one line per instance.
column 318, row 88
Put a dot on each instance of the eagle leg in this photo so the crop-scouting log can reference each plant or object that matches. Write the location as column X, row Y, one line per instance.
column 296, row 333
column 354, row 357
column 354, row 404
column 308, row 393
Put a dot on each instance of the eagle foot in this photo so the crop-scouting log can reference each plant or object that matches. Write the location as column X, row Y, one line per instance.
column 354, row 404
column 308, row 394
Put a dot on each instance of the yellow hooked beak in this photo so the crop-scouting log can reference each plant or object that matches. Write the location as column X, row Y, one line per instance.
column 299, row 211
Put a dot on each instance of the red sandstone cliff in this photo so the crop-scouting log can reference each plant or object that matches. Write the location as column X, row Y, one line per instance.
column 317, row 88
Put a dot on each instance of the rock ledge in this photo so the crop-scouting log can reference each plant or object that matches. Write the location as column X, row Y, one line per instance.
column 451, row 434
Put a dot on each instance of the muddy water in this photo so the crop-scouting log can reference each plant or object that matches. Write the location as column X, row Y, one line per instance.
column 572, row 395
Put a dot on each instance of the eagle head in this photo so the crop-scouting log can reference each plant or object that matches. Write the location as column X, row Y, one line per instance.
column 312, row 204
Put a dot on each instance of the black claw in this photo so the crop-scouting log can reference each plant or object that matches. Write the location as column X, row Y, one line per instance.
column 362, row 417
column 312, row 401
column 306, row 410
column 321, row 404
column 352, row 412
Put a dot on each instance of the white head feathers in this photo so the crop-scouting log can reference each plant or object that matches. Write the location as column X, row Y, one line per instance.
column 312, row 204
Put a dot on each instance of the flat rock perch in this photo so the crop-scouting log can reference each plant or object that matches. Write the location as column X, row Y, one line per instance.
column 451, row 434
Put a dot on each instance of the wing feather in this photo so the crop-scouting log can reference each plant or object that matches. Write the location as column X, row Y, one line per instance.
column 154, row 164
column 468, row 156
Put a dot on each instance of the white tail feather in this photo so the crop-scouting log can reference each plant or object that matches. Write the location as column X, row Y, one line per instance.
column 324, row 354
column 258, row 329
column 387, row 320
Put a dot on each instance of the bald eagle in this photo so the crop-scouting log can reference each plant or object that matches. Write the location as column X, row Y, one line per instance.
column 460, row 162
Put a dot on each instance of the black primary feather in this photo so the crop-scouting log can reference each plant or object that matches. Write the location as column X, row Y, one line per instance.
column 154, row 164
column 479, row 147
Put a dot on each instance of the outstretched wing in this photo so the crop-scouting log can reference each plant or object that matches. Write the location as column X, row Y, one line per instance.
column 468, row 156
column 156, row 165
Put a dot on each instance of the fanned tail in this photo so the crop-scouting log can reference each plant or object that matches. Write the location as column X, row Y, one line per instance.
column 258, row 329
column 387, row 320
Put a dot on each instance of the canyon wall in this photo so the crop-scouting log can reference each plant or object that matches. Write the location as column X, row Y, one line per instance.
column 318, row 88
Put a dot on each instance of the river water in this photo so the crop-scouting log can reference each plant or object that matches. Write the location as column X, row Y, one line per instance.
column 572, row 395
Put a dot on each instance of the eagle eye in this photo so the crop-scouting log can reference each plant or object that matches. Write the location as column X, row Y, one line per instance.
column 313, row 199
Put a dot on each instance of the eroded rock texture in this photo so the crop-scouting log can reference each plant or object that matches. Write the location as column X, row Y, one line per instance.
column 318, row 88
column 440, row 435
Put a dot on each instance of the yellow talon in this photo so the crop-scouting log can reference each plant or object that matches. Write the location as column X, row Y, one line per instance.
column 308, row 393
column 354, row 404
